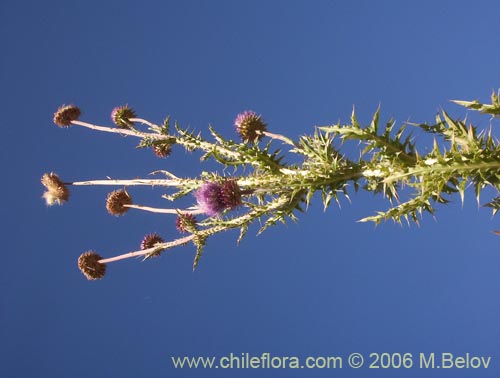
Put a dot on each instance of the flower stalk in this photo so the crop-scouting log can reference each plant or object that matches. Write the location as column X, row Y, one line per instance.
column 145, row 252
column 164, row 211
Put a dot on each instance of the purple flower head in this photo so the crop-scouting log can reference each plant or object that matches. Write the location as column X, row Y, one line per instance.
column 240, row 118
column 249, row 126
column 210, row 199
column 215, row 197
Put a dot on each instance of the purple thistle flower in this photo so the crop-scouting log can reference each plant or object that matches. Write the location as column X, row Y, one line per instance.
column 209, row 198
column 214, row 197
column 249, row 126
column 240, row 118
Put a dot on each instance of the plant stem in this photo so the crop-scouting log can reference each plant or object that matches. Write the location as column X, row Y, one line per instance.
column 279, row 137
column 144, row 121
column 162, row 246
column 134, row 182
column 163, row 211
column 118, row 131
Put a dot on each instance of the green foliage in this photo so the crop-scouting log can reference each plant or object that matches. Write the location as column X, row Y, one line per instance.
column 493, row 108
column 388, row 163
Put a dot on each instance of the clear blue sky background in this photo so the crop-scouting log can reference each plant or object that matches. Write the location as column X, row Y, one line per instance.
column 324, row 286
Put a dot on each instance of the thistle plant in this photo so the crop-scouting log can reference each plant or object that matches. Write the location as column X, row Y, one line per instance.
column 269, row 185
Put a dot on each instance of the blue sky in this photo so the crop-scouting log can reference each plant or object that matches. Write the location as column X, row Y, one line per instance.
column 324, row 286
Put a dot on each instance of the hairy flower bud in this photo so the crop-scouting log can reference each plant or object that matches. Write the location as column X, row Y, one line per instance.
column 121, row 115
column 249, row 126
column 66, row 114
column 215, row 197
column 89, row 265
column 56, row 192
column 116, row 201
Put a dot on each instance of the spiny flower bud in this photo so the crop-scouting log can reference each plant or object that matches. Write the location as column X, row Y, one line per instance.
column 215, row 197
column 89, row 265
column 162, row 150
column 121, row 115
column 150, row 241
column 249, row 126
column 66, row 114
column 56, row 192
column 185, row 222
column 116, row 201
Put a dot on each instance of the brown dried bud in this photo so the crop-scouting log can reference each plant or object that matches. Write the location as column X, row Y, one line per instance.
column 56, row 192
column 116, row 201
column 89, row 265
column 66, row 114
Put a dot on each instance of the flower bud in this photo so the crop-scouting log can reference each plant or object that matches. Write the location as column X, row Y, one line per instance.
column 150, row 241
column 185, row 222
column 121, row 115
column 162, row 150
column 89, row 265
column 66, row 114
column 116, row 201
column 249, row 126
